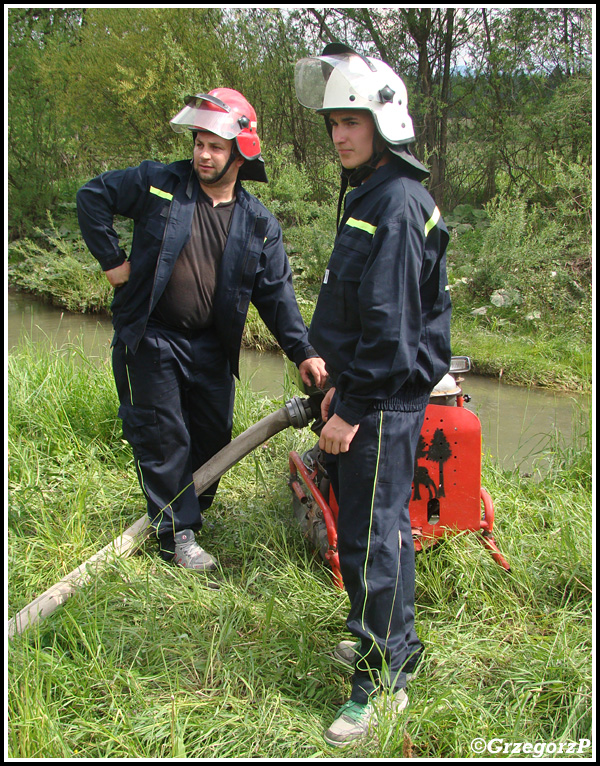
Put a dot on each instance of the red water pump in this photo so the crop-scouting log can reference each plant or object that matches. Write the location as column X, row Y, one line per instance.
column 447, row 496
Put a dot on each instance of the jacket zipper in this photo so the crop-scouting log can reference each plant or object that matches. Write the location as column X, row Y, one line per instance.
column 162, row 244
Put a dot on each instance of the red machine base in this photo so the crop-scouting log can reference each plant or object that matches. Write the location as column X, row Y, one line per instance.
column 447, row 496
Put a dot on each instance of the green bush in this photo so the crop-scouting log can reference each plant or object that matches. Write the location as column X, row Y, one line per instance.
column 527, row 264
column 58, row 266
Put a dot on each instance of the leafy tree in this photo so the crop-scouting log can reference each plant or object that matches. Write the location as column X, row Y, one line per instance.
column 527, row 97
column 130, row 74
column 38, row 151
column 272, row 41
column 95, row 88
column 421, row 44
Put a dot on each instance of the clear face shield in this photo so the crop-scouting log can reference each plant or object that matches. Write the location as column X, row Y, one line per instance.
column 336, row 82
column 310, row 79
column 317, row 79
column 203, row 112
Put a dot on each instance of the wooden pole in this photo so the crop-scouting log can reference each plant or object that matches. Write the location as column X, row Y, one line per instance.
column 51, row 599
column 295, row 413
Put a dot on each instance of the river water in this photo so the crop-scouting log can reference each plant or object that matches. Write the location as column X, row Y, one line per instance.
column 518, row 423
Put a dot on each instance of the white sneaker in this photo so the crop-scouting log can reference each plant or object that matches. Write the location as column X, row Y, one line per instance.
column 346, row 652
column 354, row 720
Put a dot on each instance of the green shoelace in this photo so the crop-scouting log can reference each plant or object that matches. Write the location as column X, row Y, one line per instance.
column 353, row 710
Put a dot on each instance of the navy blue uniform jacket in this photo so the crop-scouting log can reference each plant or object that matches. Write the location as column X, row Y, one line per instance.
column 382, row 321
column 160, row 199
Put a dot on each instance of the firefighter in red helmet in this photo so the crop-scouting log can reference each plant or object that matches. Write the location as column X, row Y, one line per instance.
column 202, row 249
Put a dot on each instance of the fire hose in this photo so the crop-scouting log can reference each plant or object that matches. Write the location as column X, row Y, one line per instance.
column 296, row 412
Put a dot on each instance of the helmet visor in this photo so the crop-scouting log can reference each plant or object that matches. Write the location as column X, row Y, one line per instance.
column 199, row 114
column 310, row 79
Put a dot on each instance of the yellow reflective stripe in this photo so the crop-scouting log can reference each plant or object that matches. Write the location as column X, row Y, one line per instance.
column 375, row 480
column 432, row 221
column 128, row 378
column 160, row 193
column 368, row 227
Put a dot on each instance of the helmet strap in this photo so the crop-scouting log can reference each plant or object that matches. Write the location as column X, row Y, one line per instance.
column 232, row 157
column 343, row 187
column 355, row 176
column 228, row 164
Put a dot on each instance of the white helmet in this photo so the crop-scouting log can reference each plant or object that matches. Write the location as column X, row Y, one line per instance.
column 343, row 79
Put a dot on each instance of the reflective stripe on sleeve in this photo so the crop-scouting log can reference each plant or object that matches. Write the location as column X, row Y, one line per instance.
column 432, row 221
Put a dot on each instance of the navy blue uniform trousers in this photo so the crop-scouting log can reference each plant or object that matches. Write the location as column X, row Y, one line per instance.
column 372, row 483
column 176, row 397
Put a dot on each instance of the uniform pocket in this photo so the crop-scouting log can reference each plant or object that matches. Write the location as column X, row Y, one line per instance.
column 345, row 270
column 347, row 264
column 155, row 227
column 142, row 431
column 343, row 280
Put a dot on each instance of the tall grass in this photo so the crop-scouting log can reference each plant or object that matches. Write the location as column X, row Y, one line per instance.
column 149, row 662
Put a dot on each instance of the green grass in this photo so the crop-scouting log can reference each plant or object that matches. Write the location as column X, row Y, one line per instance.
column 556, row 361
column 147, row 662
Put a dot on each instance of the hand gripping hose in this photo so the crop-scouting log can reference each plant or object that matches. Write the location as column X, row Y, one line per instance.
column 296, row 412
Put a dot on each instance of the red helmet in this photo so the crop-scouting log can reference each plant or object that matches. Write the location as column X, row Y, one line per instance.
column 225, row 112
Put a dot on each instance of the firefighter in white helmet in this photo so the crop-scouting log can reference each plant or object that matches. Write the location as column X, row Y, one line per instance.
column 343, row 79
column 382, row 325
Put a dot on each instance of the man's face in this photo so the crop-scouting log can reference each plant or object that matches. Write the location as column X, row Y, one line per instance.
column 211, row 153
column 352, row 133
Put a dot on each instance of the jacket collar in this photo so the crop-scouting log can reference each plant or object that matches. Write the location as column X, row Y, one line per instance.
column 184, row 170
column 380, row 176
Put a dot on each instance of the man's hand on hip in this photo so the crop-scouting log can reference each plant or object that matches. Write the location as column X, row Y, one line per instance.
column 119, row 275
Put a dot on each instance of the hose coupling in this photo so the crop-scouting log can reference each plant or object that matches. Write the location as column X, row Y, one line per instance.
column 298, row 411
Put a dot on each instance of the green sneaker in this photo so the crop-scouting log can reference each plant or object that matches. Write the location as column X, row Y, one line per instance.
column 355, row 720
